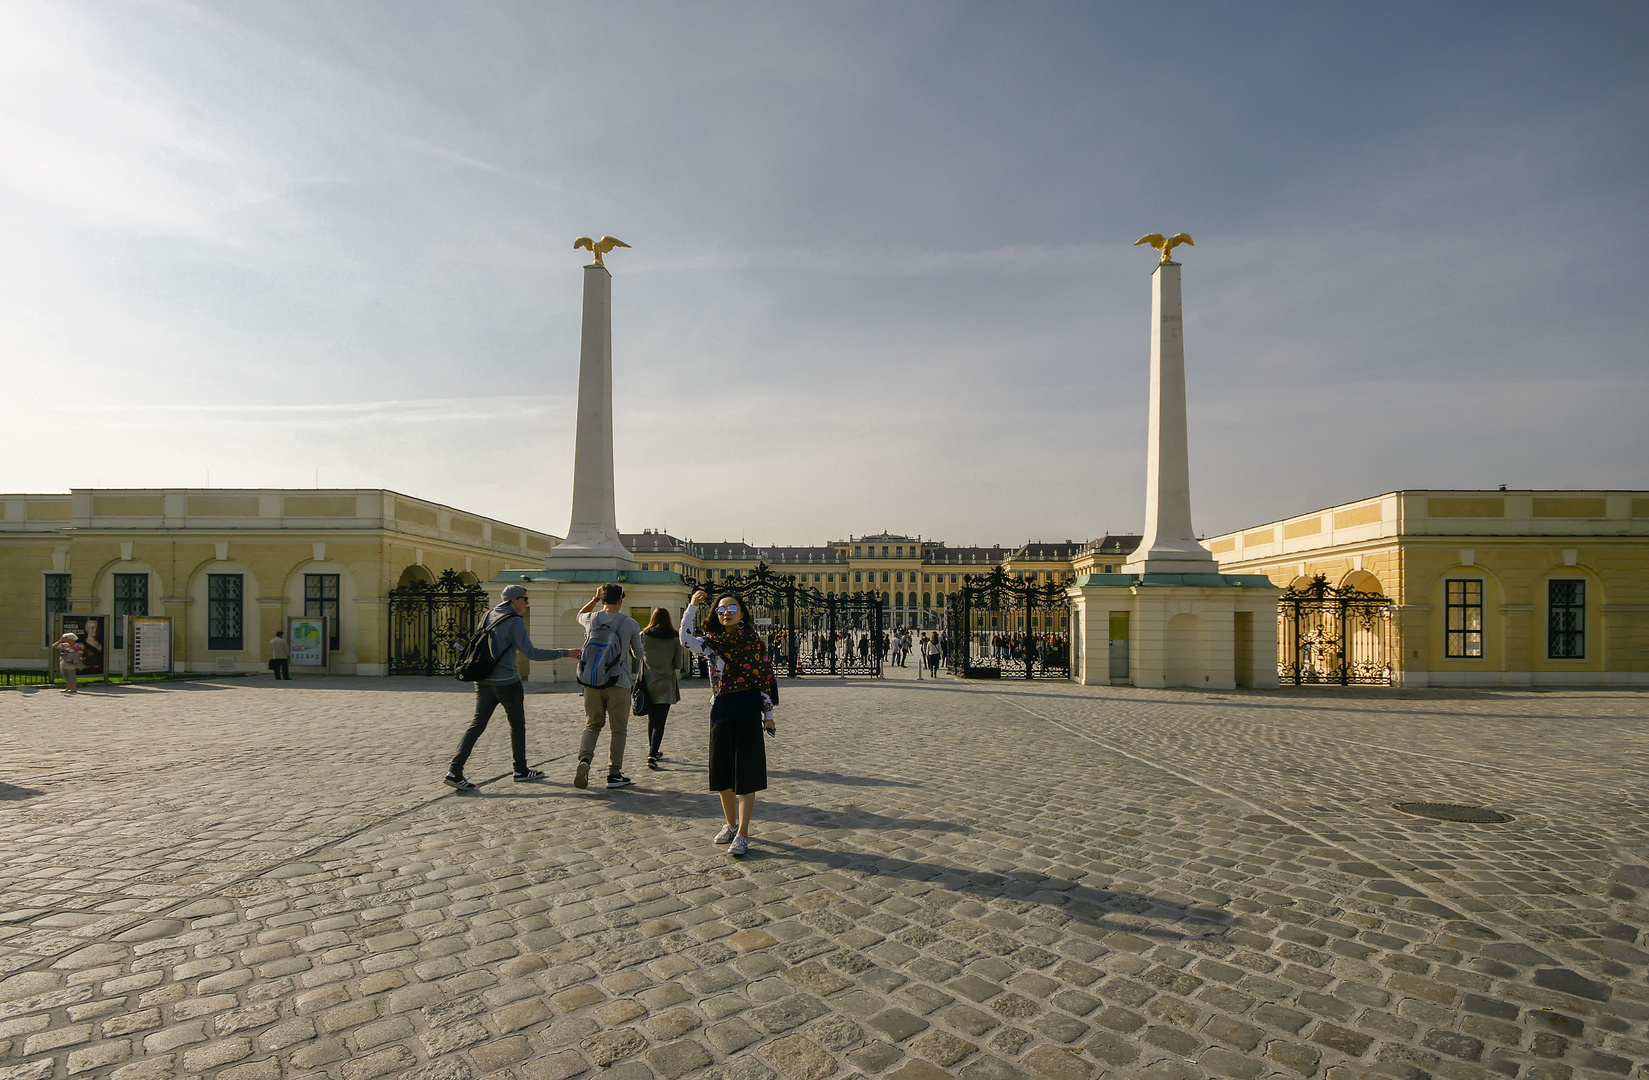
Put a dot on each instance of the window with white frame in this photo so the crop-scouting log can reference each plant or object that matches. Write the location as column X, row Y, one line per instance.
column 1566, row 619
column 225, row 603
column 1463, row 610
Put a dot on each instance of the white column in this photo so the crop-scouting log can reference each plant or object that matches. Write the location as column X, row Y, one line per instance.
column 1169, row 546
column 592, row 541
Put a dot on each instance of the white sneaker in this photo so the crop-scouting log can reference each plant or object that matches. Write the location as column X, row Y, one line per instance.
column 726, row 835
column 739, row 846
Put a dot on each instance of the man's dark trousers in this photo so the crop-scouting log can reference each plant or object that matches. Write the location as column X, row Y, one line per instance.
column 488, row 696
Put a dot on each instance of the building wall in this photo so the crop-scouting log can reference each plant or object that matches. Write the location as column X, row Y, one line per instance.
column 1408, row 545
column 272, row 539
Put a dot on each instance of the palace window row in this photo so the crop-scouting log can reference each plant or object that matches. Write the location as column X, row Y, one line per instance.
column 1565, row 619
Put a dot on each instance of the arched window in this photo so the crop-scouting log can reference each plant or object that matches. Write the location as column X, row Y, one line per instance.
column 927, row 599
column 898, row 599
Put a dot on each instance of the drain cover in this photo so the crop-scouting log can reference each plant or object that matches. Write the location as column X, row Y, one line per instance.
column 1447, row 811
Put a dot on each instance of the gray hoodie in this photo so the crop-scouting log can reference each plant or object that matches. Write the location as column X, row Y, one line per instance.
column 509, row 636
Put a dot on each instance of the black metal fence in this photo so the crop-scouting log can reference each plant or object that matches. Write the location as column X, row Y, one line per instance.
column 1331, row 635
column 25, row 678
column 430, row 622
column 809, row 632
column 997, row 626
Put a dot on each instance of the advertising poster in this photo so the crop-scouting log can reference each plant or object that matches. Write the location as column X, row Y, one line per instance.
column 94, row 638
column 307, row 638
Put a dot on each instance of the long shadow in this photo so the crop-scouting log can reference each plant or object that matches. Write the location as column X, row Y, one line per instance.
column 1091, row 906
column 13, row 793
column 834, row 778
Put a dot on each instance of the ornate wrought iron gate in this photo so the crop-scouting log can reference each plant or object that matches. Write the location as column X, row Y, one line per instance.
column 1330, row 635
column 1002, row 627
column 809, row 632
column 430, row 622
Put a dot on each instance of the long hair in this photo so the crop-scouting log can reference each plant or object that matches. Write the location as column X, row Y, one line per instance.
column 714, row 628
column 660, row 623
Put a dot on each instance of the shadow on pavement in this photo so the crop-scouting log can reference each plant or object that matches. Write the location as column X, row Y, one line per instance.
column 1089, row 905
column 834, row 778
column 828, row 819
column 13, row 793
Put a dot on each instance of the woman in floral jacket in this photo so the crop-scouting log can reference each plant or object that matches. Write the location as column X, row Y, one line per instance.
column 743, row 694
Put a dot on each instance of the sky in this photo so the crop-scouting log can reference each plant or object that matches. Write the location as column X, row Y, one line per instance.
column 881, row 275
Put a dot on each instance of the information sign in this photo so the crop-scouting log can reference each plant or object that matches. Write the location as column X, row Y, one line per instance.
column 148, row 644
column 307, row 639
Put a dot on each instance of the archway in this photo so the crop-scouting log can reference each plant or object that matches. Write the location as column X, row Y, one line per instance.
column 415, row 574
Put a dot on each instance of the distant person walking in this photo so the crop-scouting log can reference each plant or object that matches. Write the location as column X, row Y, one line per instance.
column 280, row 656
column 932, row 653
column 508, row 625
column 611, row 641
column 69, row 655
column 661, row 660
column 742, row 696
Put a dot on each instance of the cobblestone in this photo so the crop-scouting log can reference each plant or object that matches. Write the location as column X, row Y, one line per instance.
column 945, row 880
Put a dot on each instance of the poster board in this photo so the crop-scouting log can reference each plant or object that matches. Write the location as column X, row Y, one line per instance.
column 148, row 645
column 94, row 639
column 307, row 639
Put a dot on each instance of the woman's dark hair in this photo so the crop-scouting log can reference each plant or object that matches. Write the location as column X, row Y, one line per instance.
column 660, row 621
column 716, row 629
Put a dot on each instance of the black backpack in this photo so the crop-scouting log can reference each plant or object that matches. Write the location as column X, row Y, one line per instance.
column 478, row 659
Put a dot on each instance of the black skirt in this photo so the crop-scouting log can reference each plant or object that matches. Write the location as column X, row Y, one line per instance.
column 738, row 756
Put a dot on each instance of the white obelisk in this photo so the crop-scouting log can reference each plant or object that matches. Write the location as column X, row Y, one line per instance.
column 1169, row 546
column 592, row 541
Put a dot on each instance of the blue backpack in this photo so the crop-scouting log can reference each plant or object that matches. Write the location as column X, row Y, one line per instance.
column 602, row 660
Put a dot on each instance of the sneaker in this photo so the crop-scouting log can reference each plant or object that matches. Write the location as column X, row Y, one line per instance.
column 652, row 763
column 619, row 780
column 739, row 846
column 457, row 783
column 581, row 778
column 530, row 774
column 726, row 835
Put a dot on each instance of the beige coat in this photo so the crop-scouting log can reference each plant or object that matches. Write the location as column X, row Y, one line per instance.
column 661, row 668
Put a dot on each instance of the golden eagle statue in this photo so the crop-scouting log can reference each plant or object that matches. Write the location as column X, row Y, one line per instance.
column 598, row 248
column 1156, row 240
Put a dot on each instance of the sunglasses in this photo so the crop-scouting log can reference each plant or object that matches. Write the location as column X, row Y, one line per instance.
column 728, row 609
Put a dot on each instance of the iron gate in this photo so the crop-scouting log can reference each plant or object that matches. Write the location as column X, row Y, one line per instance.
column 809, row 632
column 1331, row 635
column 430, row 622
column 997, row 626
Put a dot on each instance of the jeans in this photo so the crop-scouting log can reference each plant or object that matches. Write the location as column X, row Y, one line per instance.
column 602, row 704
column 488, row 696
column 655, row 728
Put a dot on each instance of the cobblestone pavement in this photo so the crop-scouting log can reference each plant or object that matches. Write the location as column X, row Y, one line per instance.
column 246, row 880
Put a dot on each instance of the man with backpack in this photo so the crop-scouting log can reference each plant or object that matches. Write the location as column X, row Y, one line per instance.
column 490, row 661
column 611, row 638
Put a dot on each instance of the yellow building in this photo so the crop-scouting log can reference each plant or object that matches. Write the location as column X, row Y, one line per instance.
column 1487, row 588
column 914, row 576
column 229, row 565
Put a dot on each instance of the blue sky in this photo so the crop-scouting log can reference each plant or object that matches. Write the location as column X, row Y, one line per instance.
column 882, row 274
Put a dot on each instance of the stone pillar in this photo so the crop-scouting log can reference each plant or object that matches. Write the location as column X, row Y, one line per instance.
column 592, row 541
column 1169, row 545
